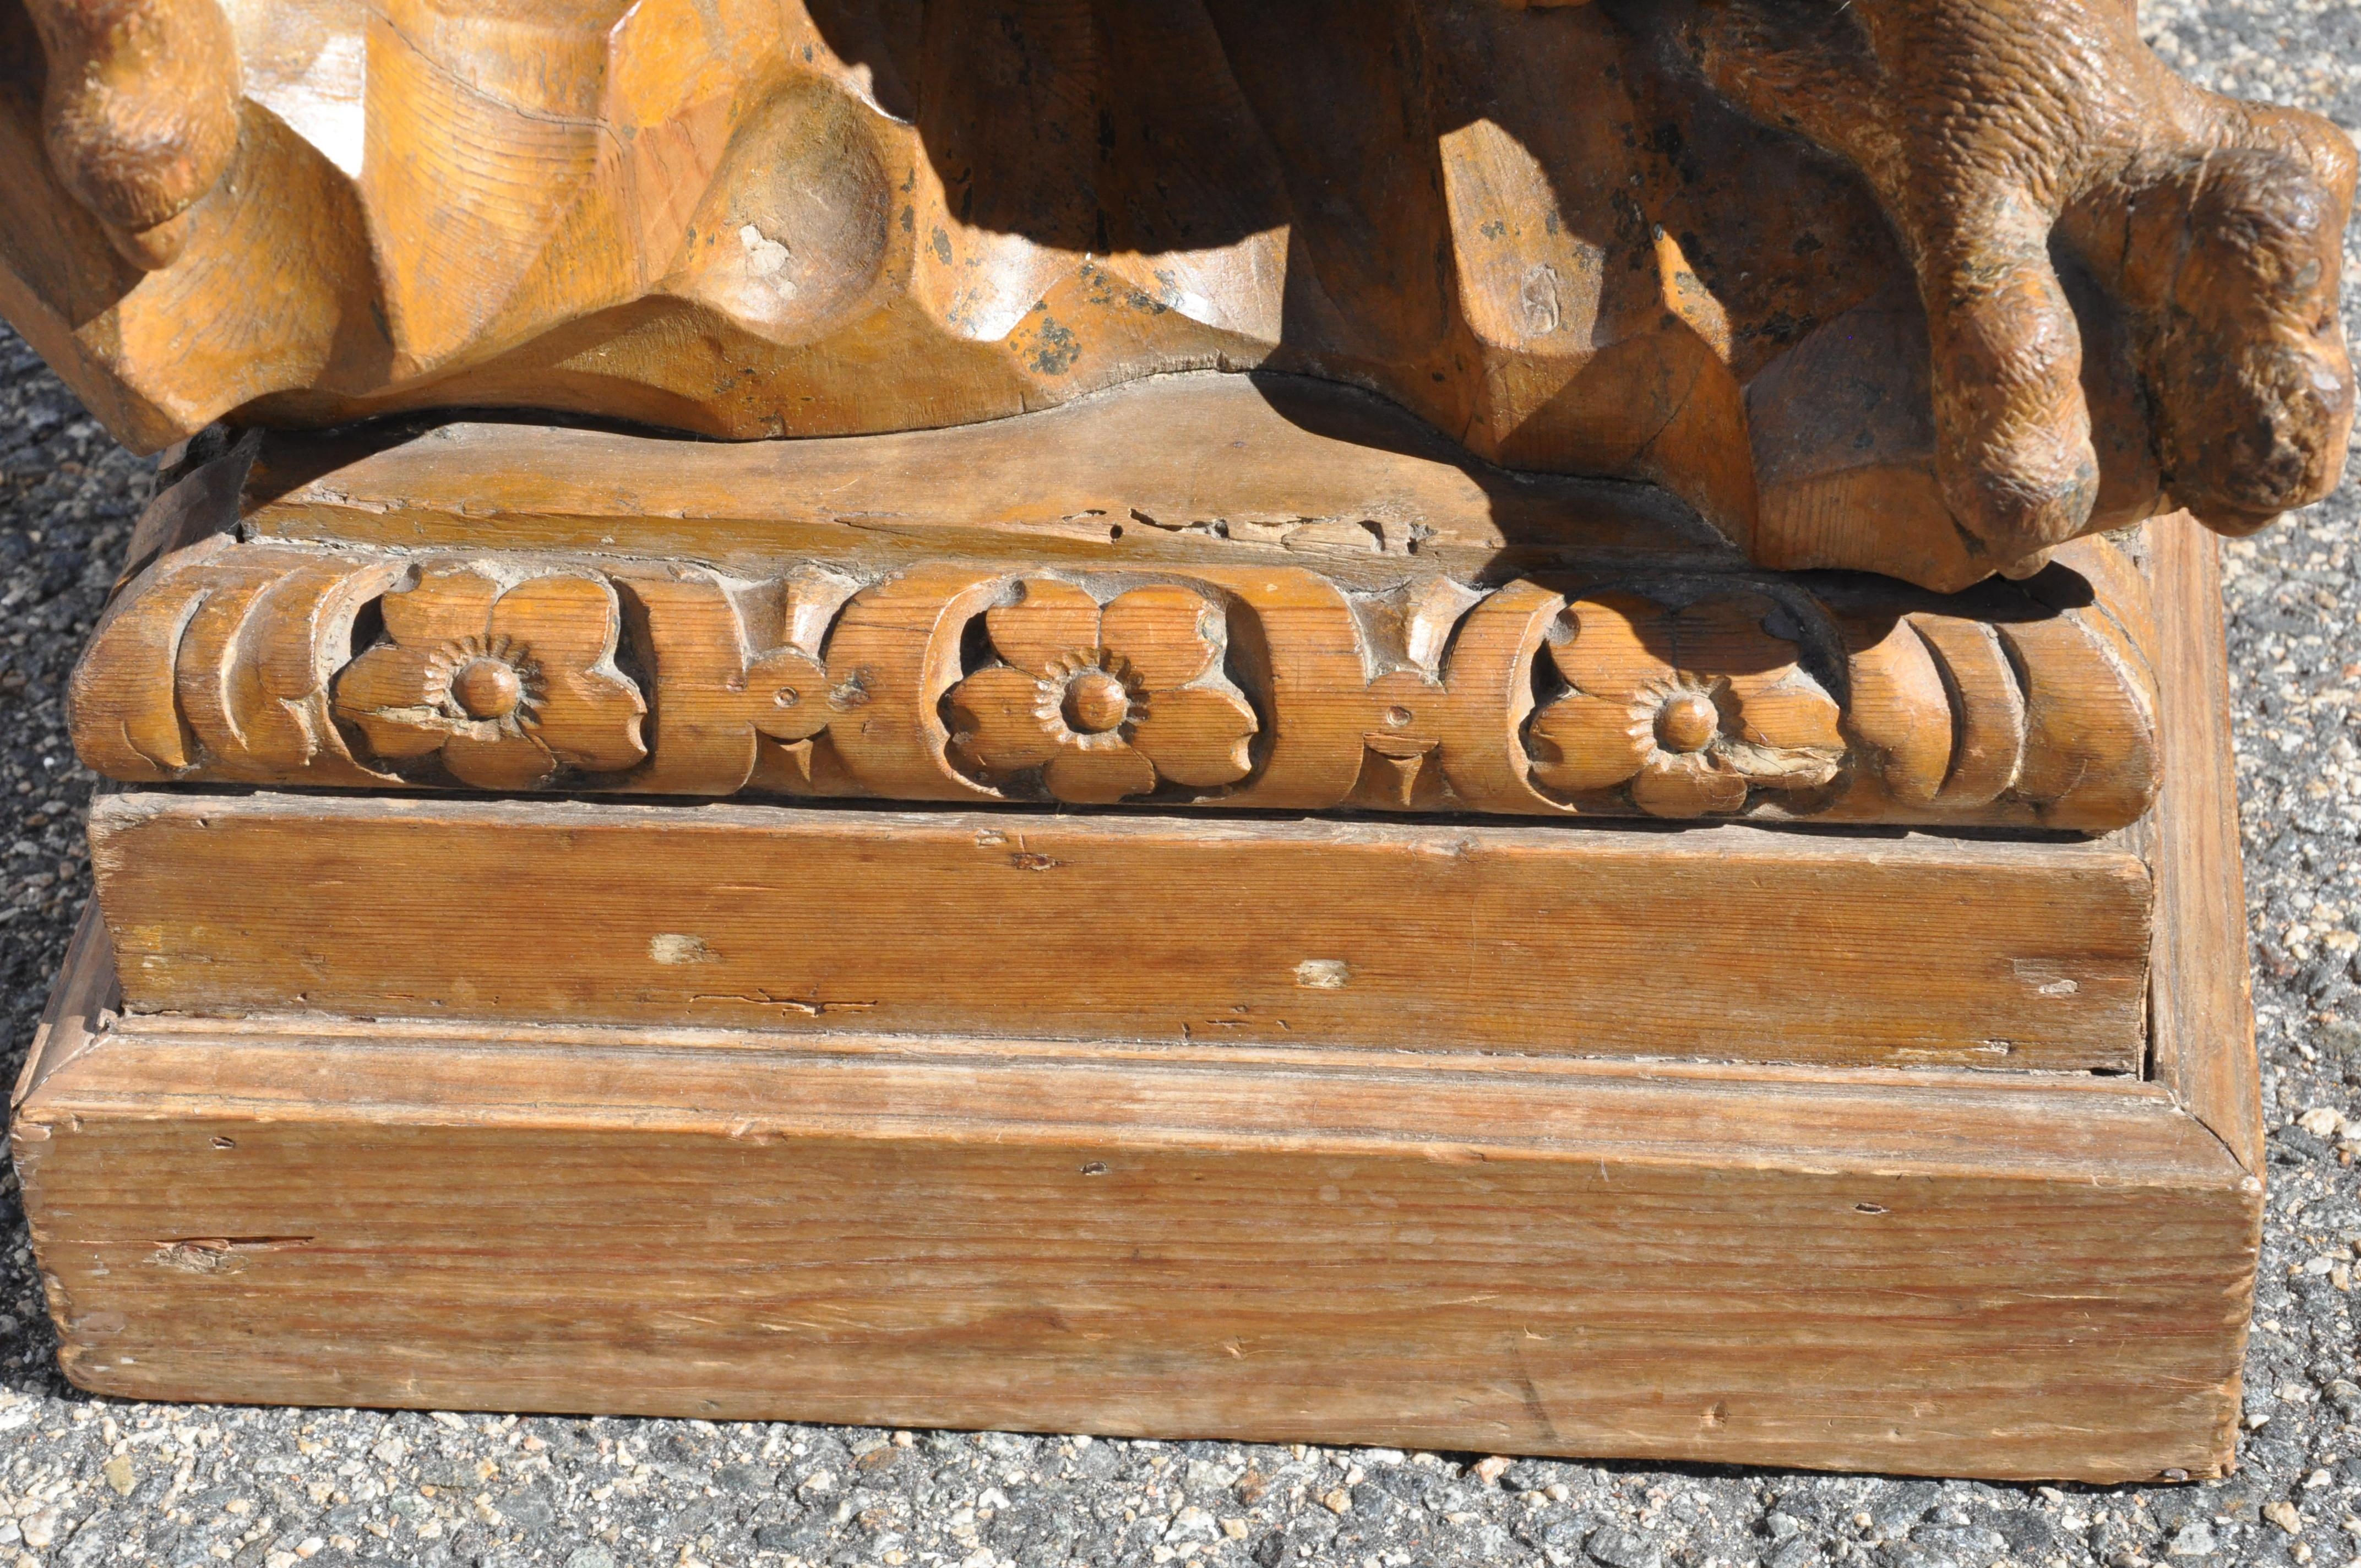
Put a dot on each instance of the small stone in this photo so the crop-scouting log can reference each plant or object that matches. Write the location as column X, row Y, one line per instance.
column 117, row 1472
column 41, row 1527
column 2194, row 1539
column 591, row 1556
column 2284, row 1515
column 1193, row 1524
column 2320, row 1121
column 1338, row 1501
column 1970, row 1546
column 390, row 1451
column 1620, row 1548
column 1235, row 1528
column 1490, row 1470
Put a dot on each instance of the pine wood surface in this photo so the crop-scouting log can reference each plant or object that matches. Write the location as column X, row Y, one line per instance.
column 1347, row 617
column 1929, row 1272
column 1734, row 943
column 1340, row 1231
column 2202, row 993
column 1730, row 264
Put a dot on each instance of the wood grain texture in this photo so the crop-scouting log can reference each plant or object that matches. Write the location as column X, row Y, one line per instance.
column 761, row 220
column 1918, row 1272
column 460, row 610
column 1695, row 943
column 1231, row 1231
column 2203, row 987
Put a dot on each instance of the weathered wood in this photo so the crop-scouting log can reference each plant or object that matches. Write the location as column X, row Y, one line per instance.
column 1312, row 1131
column 2202, row 988
column 1920, row 1273
column 759, row 220
column 1733, row 944
column 406, row 621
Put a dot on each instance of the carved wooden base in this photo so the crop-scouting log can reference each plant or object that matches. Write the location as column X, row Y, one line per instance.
column 1032, row 928
column 994, row 1119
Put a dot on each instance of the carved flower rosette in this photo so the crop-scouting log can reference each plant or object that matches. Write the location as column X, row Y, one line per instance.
column 1689, row 710
column 1105, row 701
column 504, row 685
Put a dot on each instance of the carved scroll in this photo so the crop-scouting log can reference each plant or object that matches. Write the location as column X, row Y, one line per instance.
column 1673, row 695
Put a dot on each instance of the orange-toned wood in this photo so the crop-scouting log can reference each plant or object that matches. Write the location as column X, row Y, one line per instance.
column 518, row 607
column 707, row 1197
column 1728, row 943
column 759, row 220
column 2203, row 989
column 1953, row 1273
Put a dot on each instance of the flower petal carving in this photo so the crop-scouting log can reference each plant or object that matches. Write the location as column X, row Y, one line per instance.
column 1696, row 707
column 1196, row 735
column 1106, row 703
column 449, row 603
column 1099, row 777
column 1585, row 742
column 1161, row 632
column 995, row 722
column 507, row 686
column 1046, row 620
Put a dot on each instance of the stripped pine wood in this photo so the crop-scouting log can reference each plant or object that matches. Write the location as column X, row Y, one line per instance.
column 1925, row 1272
column 1730, row 943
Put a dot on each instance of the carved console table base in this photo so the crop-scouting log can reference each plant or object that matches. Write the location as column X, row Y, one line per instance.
column 1611, row 1114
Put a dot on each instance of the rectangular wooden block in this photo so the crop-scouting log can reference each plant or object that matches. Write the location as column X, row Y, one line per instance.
column 1997, row 1274
column 1733, row 943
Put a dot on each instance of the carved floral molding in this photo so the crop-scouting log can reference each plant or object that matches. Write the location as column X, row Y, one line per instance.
column 1276, row 688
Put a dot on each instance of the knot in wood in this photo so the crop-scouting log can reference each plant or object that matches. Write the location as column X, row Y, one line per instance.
column 486, row 688
column 1688, row 723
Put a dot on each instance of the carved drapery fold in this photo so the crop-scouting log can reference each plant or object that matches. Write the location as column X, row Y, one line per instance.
column 1684, row 695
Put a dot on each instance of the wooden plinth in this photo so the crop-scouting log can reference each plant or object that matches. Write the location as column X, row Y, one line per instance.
column 1867, row 1148
column 2000, row 1274
column 1366, row 1236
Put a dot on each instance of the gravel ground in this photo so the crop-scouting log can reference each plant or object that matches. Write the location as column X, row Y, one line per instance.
column 84, row 1482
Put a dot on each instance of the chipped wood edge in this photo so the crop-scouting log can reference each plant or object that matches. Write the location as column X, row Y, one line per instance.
column 2202, row 1017
column 83, row 1002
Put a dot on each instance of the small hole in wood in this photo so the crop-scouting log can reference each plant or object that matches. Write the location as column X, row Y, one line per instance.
column 1869, row 1208
column 1095, row 1168
column 224, row 1143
